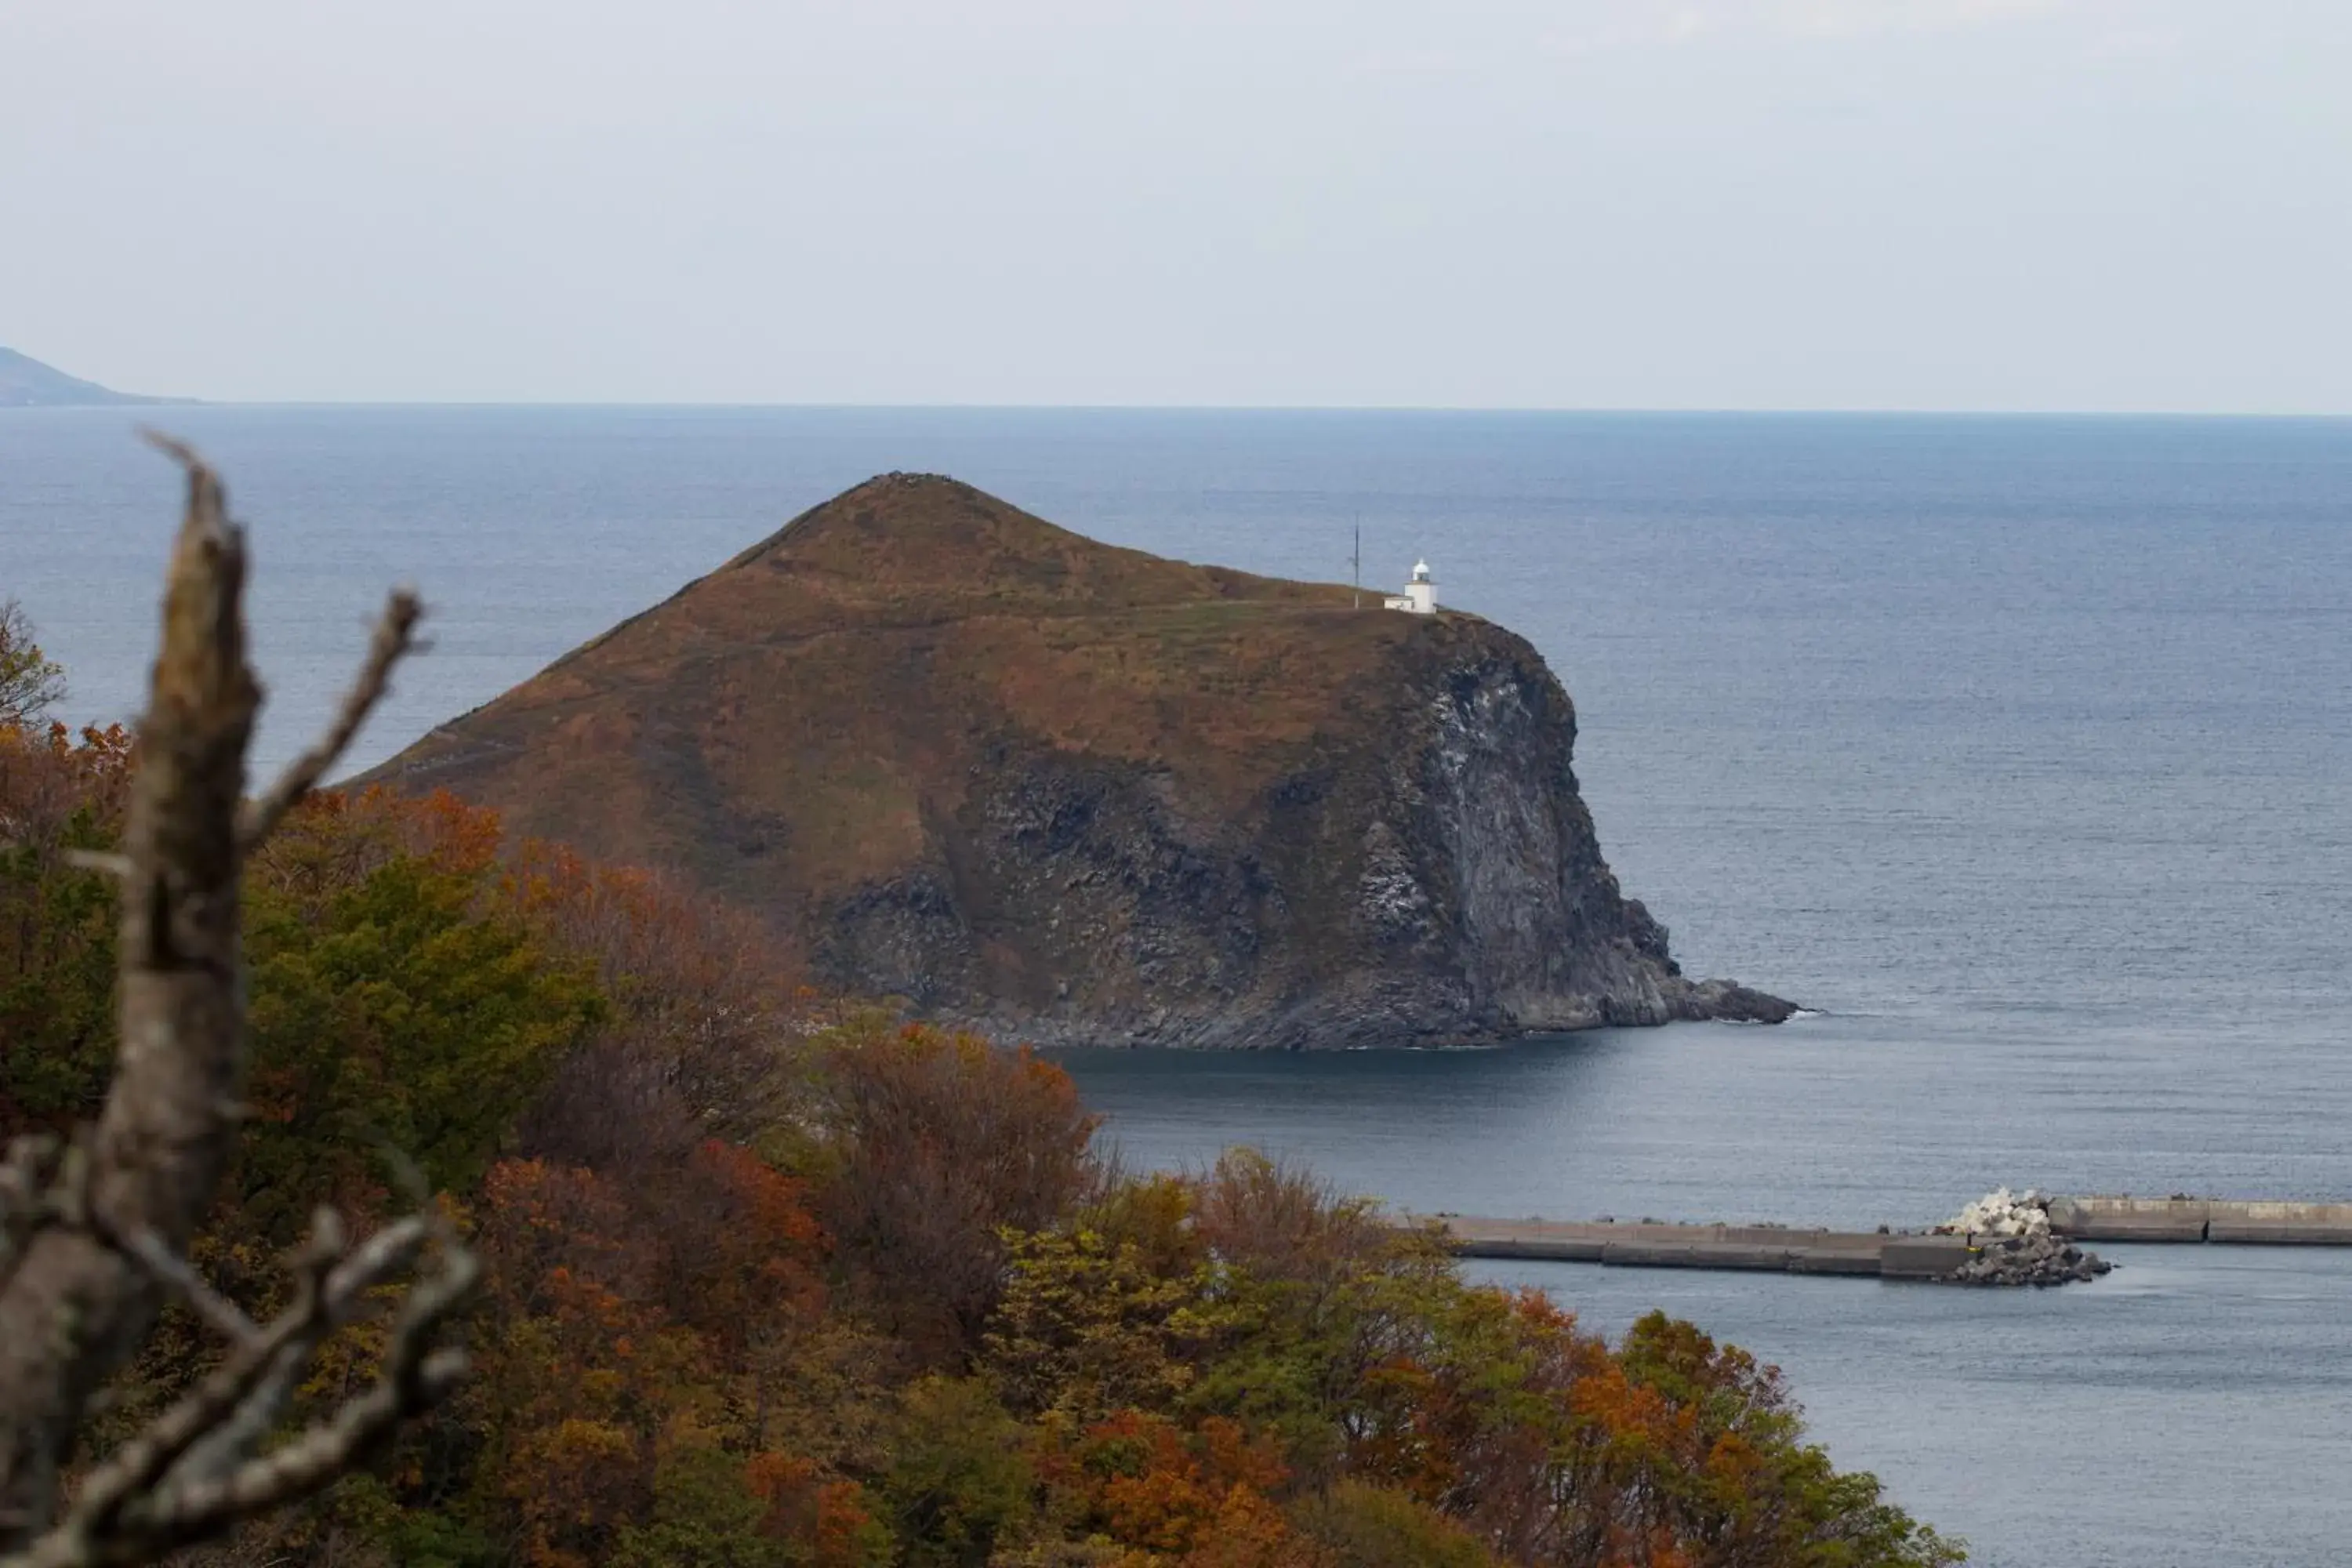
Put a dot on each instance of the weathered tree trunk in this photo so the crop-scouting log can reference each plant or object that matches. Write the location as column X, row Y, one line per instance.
column 76, row 1307
column 95, row 1236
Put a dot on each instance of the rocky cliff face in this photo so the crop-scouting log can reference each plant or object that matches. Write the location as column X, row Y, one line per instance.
column 1080, row 795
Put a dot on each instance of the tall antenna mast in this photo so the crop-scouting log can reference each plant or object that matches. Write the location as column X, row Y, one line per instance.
column 1359, row 562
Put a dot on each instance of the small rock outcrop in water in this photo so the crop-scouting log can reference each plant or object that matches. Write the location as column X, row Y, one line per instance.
column 1074, row 793
column 2015, row 1246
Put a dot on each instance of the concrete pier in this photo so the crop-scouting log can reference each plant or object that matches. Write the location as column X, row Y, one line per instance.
column 2249, row 1221
column 1772, row 1248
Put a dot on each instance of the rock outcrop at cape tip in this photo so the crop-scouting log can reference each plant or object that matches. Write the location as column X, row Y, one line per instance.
column 1074, row 793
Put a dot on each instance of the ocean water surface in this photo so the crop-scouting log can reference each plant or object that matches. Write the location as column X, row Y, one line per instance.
column 2018, row 748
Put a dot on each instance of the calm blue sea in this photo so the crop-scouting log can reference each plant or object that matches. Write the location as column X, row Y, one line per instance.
column 2017, row 747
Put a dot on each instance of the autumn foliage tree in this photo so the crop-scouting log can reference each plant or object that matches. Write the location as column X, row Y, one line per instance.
column 61, row 799
column 935, row 1145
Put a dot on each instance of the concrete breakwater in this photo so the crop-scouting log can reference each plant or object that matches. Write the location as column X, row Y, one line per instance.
column 1773, row 1248
column 2246, row 1221
column 1948, row 1253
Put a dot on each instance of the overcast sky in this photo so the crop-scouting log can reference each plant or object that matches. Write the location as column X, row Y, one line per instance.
column 2116, row 204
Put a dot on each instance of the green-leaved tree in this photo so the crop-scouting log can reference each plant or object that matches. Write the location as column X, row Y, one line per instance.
column 30, row 685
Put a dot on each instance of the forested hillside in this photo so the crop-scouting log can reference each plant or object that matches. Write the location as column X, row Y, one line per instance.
column 771, row 1279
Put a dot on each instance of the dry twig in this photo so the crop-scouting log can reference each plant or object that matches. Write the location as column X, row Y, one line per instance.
column 394, row 635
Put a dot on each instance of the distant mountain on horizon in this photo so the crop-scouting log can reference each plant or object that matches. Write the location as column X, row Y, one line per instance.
column 27, row 382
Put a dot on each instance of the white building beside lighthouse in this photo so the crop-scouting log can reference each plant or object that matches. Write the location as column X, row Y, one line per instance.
column 1420, row 595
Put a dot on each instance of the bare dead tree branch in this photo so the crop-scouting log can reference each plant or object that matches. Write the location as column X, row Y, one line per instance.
column 94, row 1234
column 175, row 1274
column 24, row 1194
column 198, row 1468
column 394, row 635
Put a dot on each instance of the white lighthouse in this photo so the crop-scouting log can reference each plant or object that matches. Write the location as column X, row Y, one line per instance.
column 1420, row 595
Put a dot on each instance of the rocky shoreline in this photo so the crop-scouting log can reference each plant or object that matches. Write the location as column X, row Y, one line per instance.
column 2030, row 1260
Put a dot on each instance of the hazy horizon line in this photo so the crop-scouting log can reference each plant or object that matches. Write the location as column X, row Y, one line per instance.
column 721, row 405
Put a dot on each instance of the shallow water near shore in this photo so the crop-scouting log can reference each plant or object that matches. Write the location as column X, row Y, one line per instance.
column 2017, row 746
